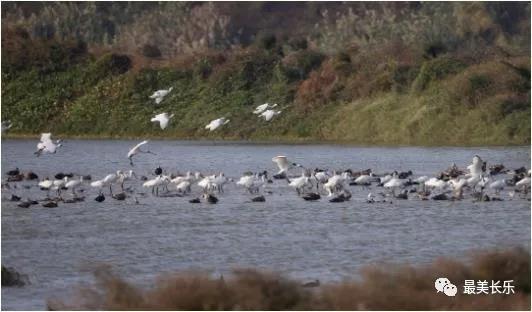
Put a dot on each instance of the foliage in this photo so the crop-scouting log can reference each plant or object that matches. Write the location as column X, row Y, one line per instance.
column 379, row 73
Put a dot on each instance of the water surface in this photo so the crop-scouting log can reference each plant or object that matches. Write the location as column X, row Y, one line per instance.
column 305, row 240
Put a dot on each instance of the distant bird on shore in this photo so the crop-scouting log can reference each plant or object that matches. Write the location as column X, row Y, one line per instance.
column 162, row 119
column 159, row 95
column 217, row 123
column 261, row 108
column 135, row 150
column 46, row 145
column 268, row 114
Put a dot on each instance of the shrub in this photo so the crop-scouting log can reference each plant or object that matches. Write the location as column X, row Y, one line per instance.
column 436, row 69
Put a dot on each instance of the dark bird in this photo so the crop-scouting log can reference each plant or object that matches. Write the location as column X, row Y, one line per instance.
column 100, row 198
column 24, row 204
column 311, row 196
column 14, row 198
column 195, row 201
column 258, row 199
column 15, row 178
column 30, row 175
column 50, row 204
column 441, row 196
column 158, row 170
column 13, row 172
column 211, row 199
column 119, row 196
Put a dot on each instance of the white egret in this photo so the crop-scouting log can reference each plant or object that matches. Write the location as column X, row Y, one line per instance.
column 162, row 119
column 217, row 123
column 300, row 183
column 268, row 114
column 46, row 145
column 283, row 164
column 72, row 184
column 261, row 108
column 135, row 150
column 159, row 95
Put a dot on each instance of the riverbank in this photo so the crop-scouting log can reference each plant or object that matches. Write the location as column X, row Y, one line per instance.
column 271, row 141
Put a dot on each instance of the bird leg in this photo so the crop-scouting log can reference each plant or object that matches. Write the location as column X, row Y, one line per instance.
column 111, row 189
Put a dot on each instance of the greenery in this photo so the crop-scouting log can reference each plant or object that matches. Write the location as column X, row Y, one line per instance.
column 439, row 77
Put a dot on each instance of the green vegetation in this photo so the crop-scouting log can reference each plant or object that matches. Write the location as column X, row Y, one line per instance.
column 451, row 74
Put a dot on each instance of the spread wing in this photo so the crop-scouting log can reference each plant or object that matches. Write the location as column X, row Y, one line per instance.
column 282, row 162
column 134, row 150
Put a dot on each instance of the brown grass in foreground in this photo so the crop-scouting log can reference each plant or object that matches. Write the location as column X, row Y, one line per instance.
column 383, row 287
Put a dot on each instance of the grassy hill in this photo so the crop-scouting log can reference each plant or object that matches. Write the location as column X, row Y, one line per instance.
column 337, row 83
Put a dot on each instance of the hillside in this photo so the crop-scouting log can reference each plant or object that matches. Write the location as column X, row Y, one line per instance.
column 419, row 74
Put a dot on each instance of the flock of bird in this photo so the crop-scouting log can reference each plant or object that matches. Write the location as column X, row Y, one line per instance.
column 477, row 181
column 264, row 111
column 451, row 184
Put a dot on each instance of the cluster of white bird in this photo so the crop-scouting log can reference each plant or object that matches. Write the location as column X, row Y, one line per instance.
column 309, row 185
column 264, row 111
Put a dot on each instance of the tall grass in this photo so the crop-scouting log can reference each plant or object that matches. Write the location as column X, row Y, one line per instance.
column 378, row 287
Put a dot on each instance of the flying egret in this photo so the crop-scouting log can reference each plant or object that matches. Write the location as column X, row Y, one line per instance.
column 284, row 165
column 46, row 145
column 162, row 119
column 261, row 108
column 135, row 150
column 268, row 114
column 217, row 123
column 159, row 95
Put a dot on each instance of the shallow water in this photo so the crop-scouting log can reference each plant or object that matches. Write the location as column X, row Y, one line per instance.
column 322, row 240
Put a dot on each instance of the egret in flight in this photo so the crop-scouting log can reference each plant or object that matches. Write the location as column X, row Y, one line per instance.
column 162, row 119
column 46, row 145
column 283, row 164
column 261, row 108
column 268, row 114
column 135, row 150
column 217, row 123
column 159, row 95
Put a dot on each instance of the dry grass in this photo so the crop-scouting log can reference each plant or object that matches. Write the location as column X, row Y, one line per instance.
column 385, row 287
